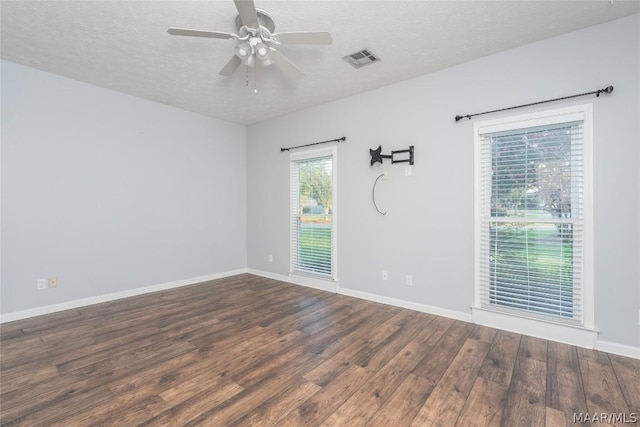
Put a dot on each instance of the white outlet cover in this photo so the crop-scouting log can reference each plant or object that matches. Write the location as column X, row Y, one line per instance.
column 42, row 284
column 408, row 170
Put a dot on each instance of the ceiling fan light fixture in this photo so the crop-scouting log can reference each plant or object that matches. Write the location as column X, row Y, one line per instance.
column 243, row 50
column 262, row 51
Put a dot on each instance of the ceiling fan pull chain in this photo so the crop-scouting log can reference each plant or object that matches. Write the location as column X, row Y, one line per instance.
column 255, row 79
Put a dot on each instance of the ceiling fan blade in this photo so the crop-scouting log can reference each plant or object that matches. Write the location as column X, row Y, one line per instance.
column 200, row 33
column 231, row 66
column 308, row 37
column 248, row 13
column 280, row 61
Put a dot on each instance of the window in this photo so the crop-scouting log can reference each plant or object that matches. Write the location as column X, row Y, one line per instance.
column 533, row 216
column 313, row 213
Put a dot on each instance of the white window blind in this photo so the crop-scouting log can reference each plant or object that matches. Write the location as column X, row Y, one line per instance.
column 312, row 213
column 531, row 204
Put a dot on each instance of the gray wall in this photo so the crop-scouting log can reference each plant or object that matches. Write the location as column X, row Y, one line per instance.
column 428, row 231
column 110, row 192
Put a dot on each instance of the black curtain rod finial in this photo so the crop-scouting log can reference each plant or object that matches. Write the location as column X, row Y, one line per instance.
column 608, row 89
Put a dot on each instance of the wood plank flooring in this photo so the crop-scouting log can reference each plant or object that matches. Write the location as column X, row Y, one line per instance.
column 250, row 351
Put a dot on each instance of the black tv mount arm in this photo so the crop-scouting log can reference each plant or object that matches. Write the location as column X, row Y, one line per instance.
column 377, row 156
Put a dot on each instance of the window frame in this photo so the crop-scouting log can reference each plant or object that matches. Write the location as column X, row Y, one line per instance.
column 318, row 281
column 583, row 333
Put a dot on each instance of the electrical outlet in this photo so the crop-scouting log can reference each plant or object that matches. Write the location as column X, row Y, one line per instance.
column 408, row 170
column 270, row 257
column 53, row 282
column 385, row 176
column 42, row 284
column 409, row 280
column 385, row 275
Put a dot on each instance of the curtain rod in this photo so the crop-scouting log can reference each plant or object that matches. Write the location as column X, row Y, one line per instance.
column 344, row 138
column 608, row 89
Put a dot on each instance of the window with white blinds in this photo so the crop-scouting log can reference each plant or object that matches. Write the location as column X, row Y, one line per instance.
column 532, row 215
column 313, row 207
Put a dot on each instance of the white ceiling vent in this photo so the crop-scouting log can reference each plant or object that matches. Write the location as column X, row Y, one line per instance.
column 361, row 58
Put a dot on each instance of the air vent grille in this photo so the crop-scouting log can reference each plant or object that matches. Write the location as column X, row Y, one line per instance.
column 361, row 58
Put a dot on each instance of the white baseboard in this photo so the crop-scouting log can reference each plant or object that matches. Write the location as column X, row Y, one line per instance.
column 567, row 334
column 268, row 275
column 83, row 302
column 438, row 311
column 619, row 349
column 308, row 281
column 331, row 287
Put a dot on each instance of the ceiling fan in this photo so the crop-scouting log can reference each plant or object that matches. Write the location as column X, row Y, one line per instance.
column 257, row 40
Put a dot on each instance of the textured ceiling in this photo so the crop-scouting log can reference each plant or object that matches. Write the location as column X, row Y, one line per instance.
column 124, row 45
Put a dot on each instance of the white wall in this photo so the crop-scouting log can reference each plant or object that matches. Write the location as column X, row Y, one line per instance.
column 111, row 193
column 428, row 231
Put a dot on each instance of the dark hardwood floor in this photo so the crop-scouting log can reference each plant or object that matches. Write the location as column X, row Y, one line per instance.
column 250, row 351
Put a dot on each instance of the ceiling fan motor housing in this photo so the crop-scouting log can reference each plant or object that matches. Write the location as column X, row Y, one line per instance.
column 265, row 22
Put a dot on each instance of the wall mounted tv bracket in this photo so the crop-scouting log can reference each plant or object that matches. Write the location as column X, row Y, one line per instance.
column 377, row 156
